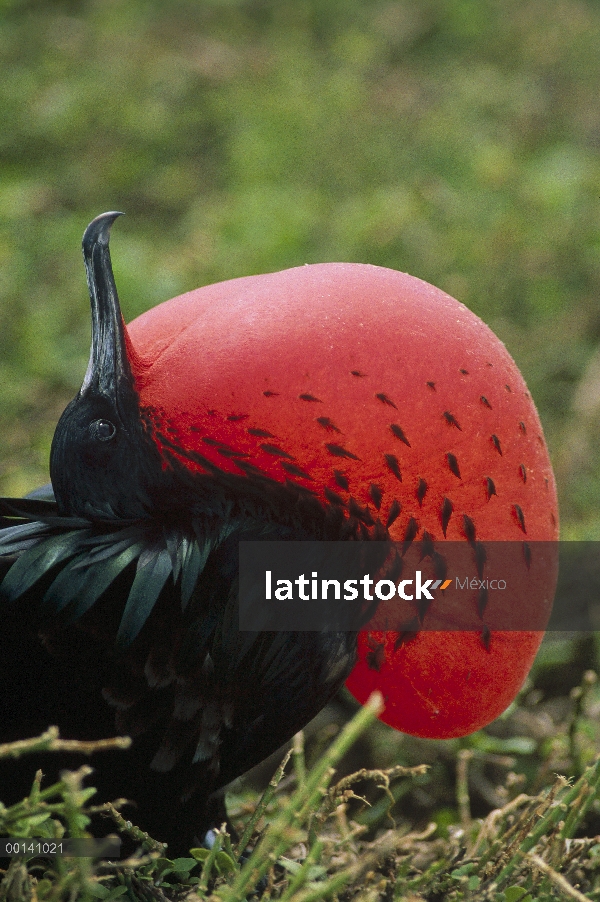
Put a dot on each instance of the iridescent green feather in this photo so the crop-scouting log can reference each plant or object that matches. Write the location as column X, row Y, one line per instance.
column 89, row 556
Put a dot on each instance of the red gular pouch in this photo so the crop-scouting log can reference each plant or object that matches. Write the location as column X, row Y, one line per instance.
column 391, row 402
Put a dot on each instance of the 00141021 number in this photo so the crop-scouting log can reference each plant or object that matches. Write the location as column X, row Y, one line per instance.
column 110, row 847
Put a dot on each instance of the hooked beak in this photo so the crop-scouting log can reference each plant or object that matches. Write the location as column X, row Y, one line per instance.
column 109, row 366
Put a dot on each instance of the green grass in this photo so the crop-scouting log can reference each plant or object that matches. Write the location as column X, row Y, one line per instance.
column 318, row 833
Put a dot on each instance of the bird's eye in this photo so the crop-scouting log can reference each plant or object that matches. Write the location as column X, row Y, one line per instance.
column 103, row 430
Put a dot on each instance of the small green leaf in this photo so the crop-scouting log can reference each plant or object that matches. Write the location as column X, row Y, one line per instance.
column 184, row 864
column 98, row 890
column 163, row 864
column 517, row 894
column 464, row 870
column 115, row 892
column 224, row 863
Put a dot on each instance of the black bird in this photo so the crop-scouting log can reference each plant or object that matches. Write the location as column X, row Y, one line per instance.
column 319, row 403
column 126, row 567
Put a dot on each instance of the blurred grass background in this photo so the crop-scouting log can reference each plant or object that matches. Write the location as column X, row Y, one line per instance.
column 453, row 139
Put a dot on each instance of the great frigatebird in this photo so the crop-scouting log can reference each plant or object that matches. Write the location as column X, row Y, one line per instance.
column 327, row 402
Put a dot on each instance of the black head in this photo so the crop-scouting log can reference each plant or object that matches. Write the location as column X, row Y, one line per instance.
column 103, row 463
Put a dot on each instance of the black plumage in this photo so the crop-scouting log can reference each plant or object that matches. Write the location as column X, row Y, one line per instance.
column 127, row 573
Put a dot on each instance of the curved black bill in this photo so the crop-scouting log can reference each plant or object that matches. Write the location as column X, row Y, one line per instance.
column 108, row 365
